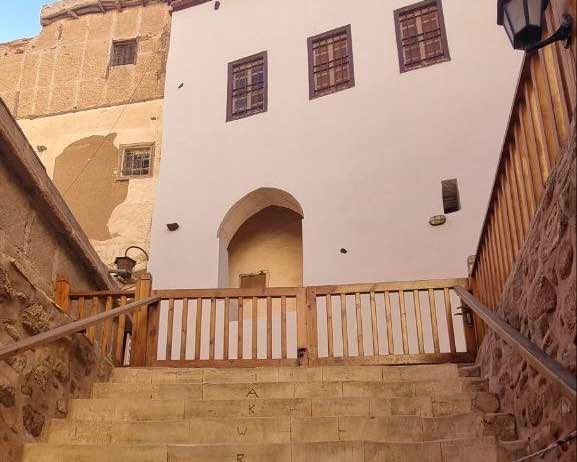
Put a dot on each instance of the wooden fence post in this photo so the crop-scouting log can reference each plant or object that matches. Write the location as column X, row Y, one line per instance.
column 303, row 347
column 62, row 292
column 139, row 341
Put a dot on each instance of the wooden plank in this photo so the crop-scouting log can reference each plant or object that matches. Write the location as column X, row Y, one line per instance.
column 395, row 286
column 515, row 202
column 166, row 294
column 523, row 200
column 254, row 315
column 120, row 328
column 70, row 328
column 388, row 314
column 95, row 308
column 106, row 328
column 536, row 358
column 170, row 329
column 231, row 363
column 184, row 329
column 312, row 322
column 140, row 334
column 526, row 175
column 302, row 310
column 450, row 326
column 212, row 339
column 62, row 293
column 240, row 336
column 398, row 360
column 527, row 131
column 374, row 325
column 269, row 328
column 419, row 321
column 404, row 322
column 283, row 332
column 153, row 331
column 506, row 226
column 344, row 325
column 80, row 308
column 361, row 347
column 198, row 329
column 226, row 334
column 511, row 218
column 329, row 306
column 501, row 242
column 434, row 322
column 102, row 293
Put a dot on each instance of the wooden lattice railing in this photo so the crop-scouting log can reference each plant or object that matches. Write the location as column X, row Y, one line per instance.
column 539, row 126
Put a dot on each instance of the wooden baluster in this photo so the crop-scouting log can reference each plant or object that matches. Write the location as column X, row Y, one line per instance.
column 374, row 325
column 523, row 200
column 226, row 334
column 283, row 332
column 450, row 326
column 359, row 324
column 419, row 321
column 535, row 148
column 506, row 228
column 170, row 329
column 515, row 202
column 269, row 328
column 344, row 325
column 254, row 313
column 184, row 329
column 434, row 322
column 305, row 351
column 94, row 311
column 106, row 328
column 521, row 143
column 62, row 293
column 198, row 329
column 388, row 313
column 240, row 339
column 120, row 328
column 510, row 214
column 498, row 254
column 404, row 322
column 80, row 308
column 329, row 306
column 212, row 339
column 142, row 324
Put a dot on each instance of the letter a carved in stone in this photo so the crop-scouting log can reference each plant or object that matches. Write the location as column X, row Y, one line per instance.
column 252, row 393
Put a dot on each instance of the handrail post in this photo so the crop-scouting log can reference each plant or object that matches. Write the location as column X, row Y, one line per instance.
column 139, row 340
column 303, row 351
column 470, row 324
column 62, row 292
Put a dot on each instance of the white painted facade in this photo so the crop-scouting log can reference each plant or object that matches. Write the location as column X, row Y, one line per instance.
column 365, row 164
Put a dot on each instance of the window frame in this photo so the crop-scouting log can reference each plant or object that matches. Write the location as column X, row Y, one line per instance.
column 230, row 117
column 416, row 6
column 125, row 147
column 115, row 43
column 310, row 43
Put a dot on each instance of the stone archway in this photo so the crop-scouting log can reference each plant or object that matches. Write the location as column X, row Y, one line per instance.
column 261, row 236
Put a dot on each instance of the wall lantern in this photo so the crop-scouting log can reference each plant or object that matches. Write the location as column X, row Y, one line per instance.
column 125, row 265
column 438, row 220
column 523, row 22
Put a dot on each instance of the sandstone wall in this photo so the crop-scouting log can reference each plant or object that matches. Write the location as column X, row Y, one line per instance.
column 36, row 385
column 66, row 67
column 539, row 299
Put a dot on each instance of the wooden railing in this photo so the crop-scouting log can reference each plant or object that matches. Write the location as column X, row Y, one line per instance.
column 539, row 126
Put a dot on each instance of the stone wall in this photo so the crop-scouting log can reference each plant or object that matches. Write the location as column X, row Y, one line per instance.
column 36, row 245
column 66, row 67
column 539, row 300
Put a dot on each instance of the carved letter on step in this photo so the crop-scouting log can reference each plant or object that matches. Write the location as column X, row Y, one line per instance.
column 240, row 458
column 252, row 393
column 251, row 409
column 242, row 432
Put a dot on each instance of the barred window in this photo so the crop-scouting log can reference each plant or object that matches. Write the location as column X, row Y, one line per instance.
column 330, row 62
column 451, row 199
column 136, row 161
column 421, row 35
column 247, row 87
column 124, row 52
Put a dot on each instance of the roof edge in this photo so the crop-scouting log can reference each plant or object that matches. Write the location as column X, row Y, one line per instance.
column 177, row 5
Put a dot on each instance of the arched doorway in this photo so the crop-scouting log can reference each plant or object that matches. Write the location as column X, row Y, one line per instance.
column 261, row 241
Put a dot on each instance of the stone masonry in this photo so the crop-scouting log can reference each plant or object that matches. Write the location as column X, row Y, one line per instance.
column 539, row 300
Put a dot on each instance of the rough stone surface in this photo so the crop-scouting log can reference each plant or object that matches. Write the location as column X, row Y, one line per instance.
column 36, row 385
column 539, row 298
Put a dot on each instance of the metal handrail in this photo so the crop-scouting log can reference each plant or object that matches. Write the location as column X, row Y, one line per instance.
column 72, row 328
column 536, row 357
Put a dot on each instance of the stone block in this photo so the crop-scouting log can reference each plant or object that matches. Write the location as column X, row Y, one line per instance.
column 300, row 374
column 318, row 390
column 378, row 390
column 69, row 453
column 353, row 374
column 384, row 429
column 230, row 453
column 314, row 429
column 452, row 427
column 248, row 408
column 421, row 406
column 471, row 450
column 248, row 391
column 252, row 375
column 400, row 452
column 341, row 407
column 341, row 451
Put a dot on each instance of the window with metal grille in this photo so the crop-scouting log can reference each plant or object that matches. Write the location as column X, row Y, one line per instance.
column 451, row 200
column 421, row 35
column 136, row 161
column 247, row 87
column 330, row 62
column 124, row 53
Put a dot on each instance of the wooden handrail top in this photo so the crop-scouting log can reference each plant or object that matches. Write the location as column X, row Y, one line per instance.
column 536, row 357
column 72, row 328
column 390, row 286
column 105, row 293
column 166, row 294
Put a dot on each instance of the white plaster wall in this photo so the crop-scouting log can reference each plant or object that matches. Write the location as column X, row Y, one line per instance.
column 130, row 221
column 366, row 164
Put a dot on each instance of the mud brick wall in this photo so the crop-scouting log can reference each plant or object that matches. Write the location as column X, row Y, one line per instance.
column 539, row 300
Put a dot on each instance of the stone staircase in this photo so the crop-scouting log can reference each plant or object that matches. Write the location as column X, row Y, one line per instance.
column 436, row 413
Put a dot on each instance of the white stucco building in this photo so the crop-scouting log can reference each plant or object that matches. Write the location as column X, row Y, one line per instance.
column 350, row 133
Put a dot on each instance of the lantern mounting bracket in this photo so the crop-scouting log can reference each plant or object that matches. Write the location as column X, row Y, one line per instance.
column 563, row 33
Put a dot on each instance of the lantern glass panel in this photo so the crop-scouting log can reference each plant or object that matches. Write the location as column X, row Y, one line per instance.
column 515, row 14
column 535, row 12
column 508, row 29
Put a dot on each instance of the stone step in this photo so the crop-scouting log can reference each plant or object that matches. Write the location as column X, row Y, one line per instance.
column 139, row 409
column 287, row 374
column 286, row 390
column 470, row 450
column 274, row 430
